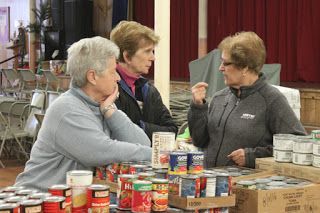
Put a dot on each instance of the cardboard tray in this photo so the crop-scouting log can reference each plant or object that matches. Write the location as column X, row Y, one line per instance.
column 113, row 186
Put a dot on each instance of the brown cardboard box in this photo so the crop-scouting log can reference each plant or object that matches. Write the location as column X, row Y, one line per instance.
column 303, row 199
column 201, row 203
column 305, row 172
column 113, row 186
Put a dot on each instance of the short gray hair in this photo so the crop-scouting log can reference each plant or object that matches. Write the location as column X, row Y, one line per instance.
column 89, row 53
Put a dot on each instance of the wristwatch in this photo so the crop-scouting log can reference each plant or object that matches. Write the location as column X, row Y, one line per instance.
column 107, row 108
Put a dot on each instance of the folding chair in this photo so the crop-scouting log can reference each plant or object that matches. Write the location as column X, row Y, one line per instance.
column 52, row 81
column 29, row 81
column 51, row 97
column 12, row 85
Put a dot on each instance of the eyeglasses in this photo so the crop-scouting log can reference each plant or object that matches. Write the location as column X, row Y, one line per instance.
column 225, row 63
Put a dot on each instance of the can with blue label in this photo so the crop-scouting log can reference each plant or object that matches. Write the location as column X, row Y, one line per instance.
column 189, row 186
column 195, row 162
column 222, row 184
column 177, row 163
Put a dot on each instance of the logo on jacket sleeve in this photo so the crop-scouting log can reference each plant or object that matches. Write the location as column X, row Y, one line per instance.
column 247, row 116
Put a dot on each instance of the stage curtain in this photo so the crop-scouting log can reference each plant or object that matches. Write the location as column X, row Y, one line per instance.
column 290, row 29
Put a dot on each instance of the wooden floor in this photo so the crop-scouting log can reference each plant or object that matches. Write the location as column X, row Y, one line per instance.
column 8, row 175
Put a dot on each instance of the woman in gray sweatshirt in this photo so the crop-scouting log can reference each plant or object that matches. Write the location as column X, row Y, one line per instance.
column 83, row 128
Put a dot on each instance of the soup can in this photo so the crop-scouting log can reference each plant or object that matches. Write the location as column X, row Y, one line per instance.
column 222, row 184
column 55, row 204
column 124, row 192
column 174, row 183
column 141, row 196
column 146, row 175
column 98, row 198
column 160, row 191
column 40, row 195
column 9, row 208
column 195, row 162
column 137, row 168
column 207, row 185
column 64, row 191
column 26, row 192
column 15, row 199
column 315, row 134
column 161, row 173
column 12, row 189
column 177, row 163
column 124, row 167
column 31, row 206
column 189, row 186
column 101, row 172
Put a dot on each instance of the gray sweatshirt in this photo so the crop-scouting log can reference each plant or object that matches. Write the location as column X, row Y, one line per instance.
column 75, row 136
column 247, row 122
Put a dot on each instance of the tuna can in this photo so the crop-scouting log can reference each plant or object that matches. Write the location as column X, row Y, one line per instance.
column 160, row 192
column 316, row 148
column 101, row 172
column 177, row 163
column 15, row 199
column 124, row 167
column 137, row 168
column 12, row 189
column 302, row 145
column 146, row 175
column 9, row 208
column 161, row 173
column 222, row 184
column 40, row 195
column 316, row 161
column 315, row 134
column 247, row 184
column 207, row 185
column 64, row 191
column 141, row 196
column 302, row 159
column 5, row 195
column 195, row 162
column 283, row 142
column 282, row 156
column 55, row 204
column 189, row 186
column 98, row 198
column 31, row 206
column 174, row 183
column 124, row 192
column 79, row 180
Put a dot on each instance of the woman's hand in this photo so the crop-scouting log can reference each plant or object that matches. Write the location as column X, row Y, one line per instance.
column 199, row 92
column 107, row 107
column 238, row 156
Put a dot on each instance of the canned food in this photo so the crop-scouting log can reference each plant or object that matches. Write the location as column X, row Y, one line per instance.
column 9, row 207
column 261, row 183
column 316, row 161
column 276, row 185
column 12, row 188
column 162, row 144
column 137, row 168
column 31, row 206
column 101, row 172
column 282, row 156
column 302, row 159
column 124, row 192
column 141, row 196
column 293, row 181
column 195, row 162
column 177, row 163
column 26, row 192
column 15, row 199
column 98, row 198
column 315, row 134
column 159, row 194
column 233, row 169
column 247, row 184
column 161, row 173
column 208, row 185
column 124, row 167
column 189, row 186
column 40, row 195
column 246, row 172
column 283, row 142
column 5, row 195
column 316, row 148
column 64, row 191
column 302, row 145
column 111, row 174
column 222, row 184
column 55, row 204
column 146, row 175
column 174, row 183
column 277, row 178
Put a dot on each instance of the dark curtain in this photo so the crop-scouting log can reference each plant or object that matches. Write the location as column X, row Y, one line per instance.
column 290, row 29
column 119, row 11
column 183, row 32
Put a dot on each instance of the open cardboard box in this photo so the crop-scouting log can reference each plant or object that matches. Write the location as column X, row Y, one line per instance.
column 113, row 186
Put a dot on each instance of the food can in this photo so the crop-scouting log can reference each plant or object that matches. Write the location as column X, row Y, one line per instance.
column 301, row 145
column 247, row 184
column 26, row 192
column 261, row 183
column 283, row 142
column 31, row 206
column 316, row 148
column 162, row 144
column 189, row 186
column 141, row 196
column 302, row 159
column 160, row 191
column 98, row 198
column 111, row 172
column 233, row 169
column 174, row 184
column 276, row 185
column 40, row 195
column 124, row 167
column 207, row 185
column 177, row 163
column 277, row 178
column 222, row 184
column 137, row 168
column 282, row 156
column 55, row 204
column 12, row 189
column 5, row 195
column 315, row 134
column 9, row 208
column 146, row 175
column 195, row 162
column 101, row 172
column 64, row 191
column 124, row 191
column 161, row 173
column 316, row 161
column 79, row 180
column 15, row 199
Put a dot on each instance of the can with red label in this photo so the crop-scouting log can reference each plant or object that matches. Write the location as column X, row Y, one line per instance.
column 146, row 175
column 137, row 168
column 9, row 208
column 101, row 172
column 160, row 190
column 174, row 181
column 31, row 206
column 141, row 196
column 195, row 162
column 98, row 199
column 64, row 191
column 177, row 163
column 124, row 192
column 54, row 204
column 207, row 185
column 124, row 167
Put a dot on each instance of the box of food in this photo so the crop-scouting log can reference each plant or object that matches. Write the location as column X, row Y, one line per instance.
column 162, row 144
column 113, row 186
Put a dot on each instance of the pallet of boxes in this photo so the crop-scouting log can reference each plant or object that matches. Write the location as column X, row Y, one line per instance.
column 294, row 184
column 173, row 182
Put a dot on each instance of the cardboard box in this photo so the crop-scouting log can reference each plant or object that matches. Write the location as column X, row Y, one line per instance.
column 201, row 203
column 303, row 199
column 113, row 186
column 305, row 172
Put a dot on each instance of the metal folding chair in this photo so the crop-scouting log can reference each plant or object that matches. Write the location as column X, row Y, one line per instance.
column 12, row 85
column 29, row 82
